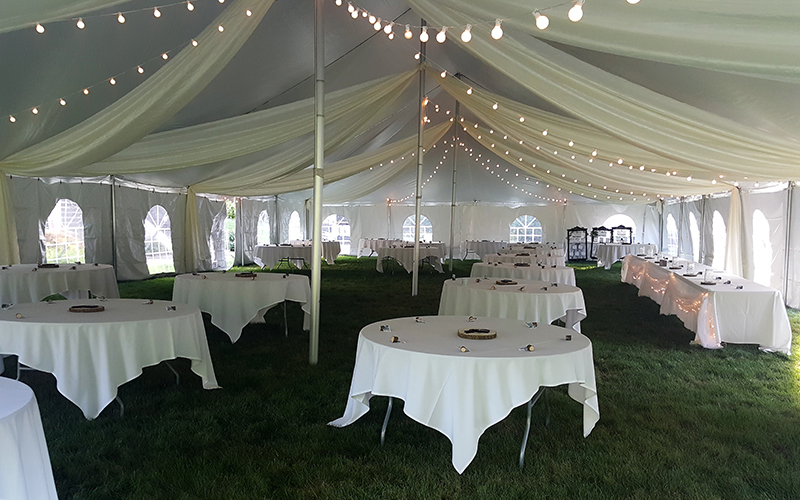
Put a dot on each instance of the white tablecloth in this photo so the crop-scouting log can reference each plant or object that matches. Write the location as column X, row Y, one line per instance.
column 481, row 248
column 532, row 259
column 19, row 283
column 405, row 256
column 536, row 247
column 233, row 302
column 609, row 253
column 330, row 249
column 467, row 296
column 25, row 471
column 463, row 394
column 269, row 255
column 564, row 275
column 92, row 354
column 719, row 313
column 368, row 246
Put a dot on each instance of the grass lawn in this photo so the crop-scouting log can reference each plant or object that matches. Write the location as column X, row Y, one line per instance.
column 676, row 421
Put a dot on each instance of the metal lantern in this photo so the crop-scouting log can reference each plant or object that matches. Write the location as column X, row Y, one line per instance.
column 577, row 248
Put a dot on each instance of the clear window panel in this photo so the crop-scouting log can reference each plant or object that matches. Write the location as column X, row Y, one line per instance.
column 158, row 241
column 63, row 234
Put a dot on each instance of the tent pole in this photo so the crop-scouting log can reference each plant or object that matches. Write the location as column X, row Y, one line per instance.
column 787, row 245
column 701, row 256
column 114, row 222
column 453, row 201
column 418, row 193
column 319, row 158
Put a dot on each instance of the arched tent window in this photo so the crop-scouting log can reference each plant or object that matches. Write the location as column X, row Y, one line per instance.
column 337, row 228
column 526, row 229
column 672, row 235
column 262, row 236
column 63, row 233
column 719, row 235
column 762, row 249
column 158, row 241
column 694, row 233
column 425, row 229
column 295, row 229
column 621, row 220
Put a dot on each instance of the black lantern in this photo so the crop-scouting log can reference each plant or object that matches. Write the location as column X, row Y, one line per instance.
column 577, row 239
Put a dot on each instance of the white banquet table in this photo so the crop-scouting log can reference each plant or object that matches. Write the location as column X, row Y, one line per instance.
column 25, row 471
column 609, row 253
column 482, row 247
column 20, row 283
column 92, row 354
column 269, row 255
column 405, row 256
column 719, row 313
column 539, row 301
column 234, row 302
column 373, row 245
column 461, row 394
column 532, row 259
column 330, row 249
column 562, row 275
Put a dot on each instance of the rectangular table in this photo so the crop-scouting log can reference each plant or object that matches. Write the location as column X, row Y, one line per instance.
column 719, row 313
column 405, row 256
column 609, row 253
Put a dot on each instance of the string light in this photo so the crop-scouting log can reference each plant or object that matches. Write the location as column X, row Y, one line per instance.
column 164, row 56
column 39, row 28
column 442, row 35
column 194, row 43
column 423, row 36
column 112, row 81
column 633, row 2
column 12, row 119
column 542, row 21
column 121, row 18
column 156, row 12
column 388, row 29
column 372, row 19
column 466, row 36
column 189, row 6
column 408, row 33
column 575, row 13
column 35, row 111
column 220, row 28
column 80, row 24
column 338, row 3
column 62, row 102
column 377, row 25
column 444, row 74
column 248, row 13
column 354, row 14
column 497, row 31
column 140, row 70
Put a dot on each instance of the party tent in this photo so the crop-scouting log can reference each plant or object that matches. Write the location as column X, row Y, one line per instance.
column 133, row 130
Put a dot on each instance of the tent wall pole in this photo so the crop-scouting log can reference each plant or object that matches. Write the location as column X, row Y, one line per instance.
column 453, row 200
column 319, row 158
column 787, row 245
column 114, row 223
column 418, row 191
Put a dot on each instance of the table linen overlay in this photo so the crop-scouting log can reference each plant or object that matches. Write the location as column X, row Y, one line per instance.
column 405, row 256
column 461, row 394
column 562, row 275
column 482, row 247
column 609, row 253
column 20, row 283
column 533, row 259
column 330, row 249
column 369, row 246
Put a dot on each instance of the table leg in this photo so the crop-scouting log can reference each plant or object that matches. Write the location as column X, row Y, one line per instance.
column 121, row 406
column 386, row 420
column 177, row 377
column 532, row 402
column 285, row 323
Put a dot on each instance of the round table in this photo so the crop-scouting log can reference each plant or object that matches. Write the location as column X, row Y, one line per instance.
column 562, row 275
column 461, row 394
column 373, row 245
column 405, row 256
column 533, row 259
column 269, row 255
column 20, row 283
column 482, row 247
column 609, row 253
column 25, row 471
column 92, row 354
column 233, row 302
column 539, row 301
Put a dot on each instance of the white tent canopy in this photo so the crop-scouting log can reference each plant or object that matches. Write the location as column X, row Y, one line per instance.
column 572, row 124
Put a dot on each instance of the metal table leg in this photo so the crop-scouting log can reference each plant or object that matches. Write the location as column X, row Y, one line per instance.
column 534, row 399
column 386, row 420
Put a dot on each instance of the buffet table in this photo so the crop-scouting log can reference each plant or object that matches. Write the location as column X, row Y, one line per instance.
column 563, row 275
column 732, row 310
column 481, row 248
column 25, row 471
column 609, row 253
column 92, row 354
column 405, row 256
column 461, row 394
column 234, row 301
column 20, row 283
column 524, row 300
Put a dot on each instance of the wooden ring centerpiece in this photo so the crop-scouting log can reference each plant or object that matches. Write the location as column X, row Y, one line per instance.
column 477, row 333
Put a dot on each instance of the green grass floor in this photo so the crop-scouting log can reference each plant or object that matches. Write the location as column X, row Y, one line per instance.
column 676, row 421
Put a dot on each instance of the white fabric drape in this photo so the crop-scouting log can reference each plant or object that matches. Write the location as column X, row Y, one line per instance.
column 241, row 135
column 19, row 14
column 195, row 249
column 9, row 250
column 733, row 246
column 146, row 107
column 739, row 37
column 632, row 113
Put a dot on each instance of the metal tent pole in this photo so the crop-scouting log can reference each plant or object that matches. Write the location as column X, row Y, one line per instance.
column 456, row 146
column 113, row 223
column 786, row 259
column 319, row 158
column 415, row 275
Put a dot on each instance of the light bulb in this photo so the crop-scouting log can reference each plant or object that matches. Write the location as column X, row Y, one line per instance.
column 494, row 106
column 12, row 119
column 575, row 14
column 338, row 3
column 350, row 8
column 497, row 31
column 466, row 36
column 140, row 70
column 571, row 143
column 423, row 36
column 521, row 119
column 121, row 18
column 364, row 13
column 416, row 56
column 164, row 56
column 544, row 132
column 62, row 102
column 80, row 24
column 35, row 111
column 633, row 2
column 220, row 28
column 689, row 178
column 372, row 19
column 391, row 35
column 39, row 28
column 377, row 25
column 354, row 14
column 221, row 1
column 85, row 91
column 189, row 6
column 112, row 81
column 156, row 12
column 594, row 153
column 408, row 33
column 469, row 91
column 387, row 29
column 194, row 43
column 442, row 35
column 248, row 13
column 542, row 21
column 444, row 74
